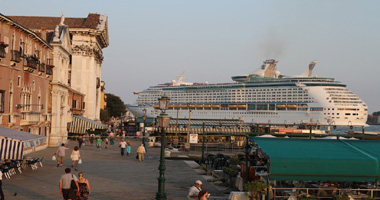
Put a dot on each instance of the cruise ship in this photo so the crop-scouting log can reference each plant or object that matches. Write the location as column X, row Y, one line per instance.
column 264, row 97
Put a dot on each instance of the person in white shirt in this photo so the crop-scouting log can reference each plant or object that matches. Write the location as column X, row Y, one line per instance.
column 122, row 146
column 1, row 186
column 194, row 190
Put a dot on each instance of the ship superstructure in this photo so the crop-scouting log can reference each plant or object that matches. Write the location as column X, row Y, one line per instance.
column 265, row 96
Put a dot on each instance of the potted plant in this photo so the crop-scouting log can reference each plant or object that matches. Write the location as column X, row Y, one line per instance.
column 254, row 188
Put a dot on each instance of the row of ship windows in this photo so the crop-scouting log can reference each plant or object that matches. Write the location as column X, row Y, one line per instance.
column 339, row 118
column 345, row 113
column 211, row 98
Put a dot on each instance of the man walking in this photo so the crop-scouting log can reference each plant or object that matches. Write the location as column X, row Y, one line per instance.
column 60, row 153
column 80, row 141
column 65, row 185
column 141, row 152
column 122, row 146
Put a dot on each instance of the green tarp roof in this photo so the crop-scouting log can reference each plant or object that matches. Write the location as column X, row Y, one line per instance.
column 321, row 159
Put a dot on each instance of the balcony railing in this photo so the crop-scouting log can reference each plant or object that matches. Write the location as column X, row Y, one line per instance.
column 49, row 69
column 41, row 67
column 2, row 49
column 30, row 117
column 15, row 56
column 31, row 62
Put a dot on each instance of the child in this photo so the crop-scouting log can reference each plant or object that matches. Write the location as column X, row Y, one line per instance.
column 98, row 143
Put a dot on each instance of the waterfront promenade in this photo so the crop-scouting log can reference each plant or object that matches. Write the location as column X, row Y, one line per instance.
column 111, row 176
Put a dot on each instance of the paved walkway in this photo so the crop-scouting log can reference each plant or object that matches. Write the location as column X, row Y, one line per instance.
column 111, row 176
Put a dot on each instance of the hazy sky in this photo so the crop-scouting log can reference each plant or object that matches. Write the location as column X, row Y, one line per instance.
column 154, row 41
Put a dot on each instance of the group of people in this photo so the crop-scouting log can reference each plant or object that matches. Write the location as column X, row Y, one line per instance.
column 60, row 156
column 82, row 184
column 73, row 188
column 197, row 192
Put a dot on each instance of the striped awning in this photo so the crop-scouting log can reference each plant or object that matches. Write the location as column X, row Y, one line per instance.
column 11, row 149
column 81, row 124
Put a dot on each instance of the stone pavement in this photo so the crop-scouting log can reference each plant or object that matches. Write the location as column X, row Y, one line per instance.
column 111, row 176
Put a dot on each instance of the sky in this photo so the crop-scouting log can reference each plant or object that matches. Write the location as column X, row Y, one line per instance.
column 155, row 41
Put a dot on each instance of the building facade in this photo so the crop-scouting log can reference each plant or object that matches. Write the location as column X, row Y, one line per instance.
column 88, row 37
column 25, row 72
column 50, row 73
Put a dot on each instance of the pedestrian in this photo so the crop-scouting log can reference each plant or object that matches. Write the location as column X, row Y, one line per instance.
column 75, row 157
column 98, row 143
column 80, row 141
column 60, row 153
column 123, row 134
column 92, row 138
column 1, row 186
column 141, row 152
column 86, row 139
column 106, row 139
column 84, row 187
column 203, row 195
column 128, row 147
column 65, row 189
column 122, row 146
column 194, row 190
column 138, row 135
column 112, row 142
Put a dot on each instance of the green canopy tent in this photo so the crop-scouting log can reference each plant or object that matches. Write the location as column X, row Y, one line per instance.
column 321, row 159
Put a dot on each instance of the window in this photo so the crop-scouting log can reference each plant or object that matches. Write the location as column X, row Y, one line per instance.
column 2, row 94
column 74, row 103
column 19, row 81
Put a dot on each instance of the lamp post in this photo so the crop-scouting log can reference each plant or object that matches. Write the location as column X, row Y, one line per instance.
column 144, row 117
column 247, row 151
column 163, row 122
column 187, row 145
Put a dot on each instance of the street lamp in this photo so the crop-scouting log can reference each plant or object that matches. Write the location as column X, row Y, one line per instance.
column 144, row 117
column 163, row 122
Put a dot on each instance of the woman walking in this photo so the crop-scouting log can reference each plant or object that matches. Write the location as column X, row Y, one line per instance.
column 84, row 187
column 112, row 142
column 75, row 156
column 128, row 147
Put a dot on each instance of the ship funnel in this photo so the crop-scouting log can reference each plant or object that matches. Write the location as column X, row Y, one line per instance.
column 311, row 67
column 269, row 67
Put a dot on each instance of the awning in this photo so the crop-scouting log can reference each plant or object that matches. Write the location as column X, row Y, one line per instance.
column 13, row 142
column 11, row 149
column 80, row 124
column 321, row 160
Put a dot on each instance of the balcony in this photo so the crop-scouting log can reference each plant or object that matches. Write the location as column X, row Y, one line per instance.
column 30, row 117
column 2, row 49
column 15, row 56
column 31, row 62
column 41, row 67
column 49, row 69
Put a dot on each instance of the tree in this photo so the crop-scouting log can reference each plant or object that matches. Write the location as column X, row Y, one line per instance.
column 104, row 116
column 115, row 106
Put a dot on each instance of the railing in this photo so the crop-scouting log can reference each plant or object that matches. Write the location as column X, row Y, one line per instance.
column 15, row 56
column 42, row 67
column 2, row 50
column 30, row 117
column 49, row 69
column 209, row 130
column 31, row 62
